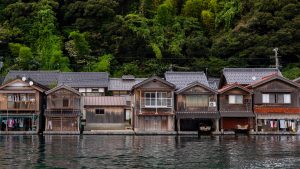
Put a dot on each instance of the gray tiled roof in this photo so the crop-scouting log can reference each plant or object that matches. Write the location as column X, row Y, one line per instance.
column 84, row 79
column 46, row 78
column 213, row 83
column 247, row 75
column 123, row 84
column 182, row 79
column 104, row 101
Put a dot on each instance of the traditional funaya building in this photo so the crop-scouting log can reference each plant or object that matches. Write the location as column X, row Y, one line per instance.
column 153, row 108
column 63, row 109
column 276, row 104
column 121, row 87
column 235, row 108
column 21, row 105
column 196, row 101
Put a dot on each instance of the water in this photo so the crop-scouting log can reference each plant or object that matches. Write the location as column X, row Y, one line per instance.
column 149, row 152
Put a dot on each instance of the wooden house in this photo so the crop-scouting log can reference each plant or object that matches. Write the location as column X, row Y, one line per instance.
column 105, row 113
column 63, row 109
column 196, row 101
column 87, row 83
column 235, row 107
column 122, row 87
column 153, row 108
column 21, row 101
column 196, row 105
column 276, row 104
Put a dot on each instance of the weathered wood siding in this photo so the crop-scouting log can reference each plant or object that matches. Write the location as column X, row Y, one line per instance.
column 224, row 101
column 276, row 86
column 159, row 119
column 197, row 90
column 55, row 100
column 111, row 115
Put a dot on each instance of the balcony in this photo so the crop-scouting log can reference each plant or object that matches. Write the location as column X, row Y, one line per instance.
column 63, row 112
column 20, row 105
column 183, row 108
column 159, row 103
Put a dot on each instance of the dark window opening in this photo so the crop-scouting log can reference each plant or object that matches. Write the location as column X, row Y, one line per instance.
column 65, row 102
column 99, row 111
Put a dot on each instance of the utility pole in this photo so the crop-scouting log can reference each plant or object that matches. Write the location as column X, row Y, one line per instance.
column 276, row 58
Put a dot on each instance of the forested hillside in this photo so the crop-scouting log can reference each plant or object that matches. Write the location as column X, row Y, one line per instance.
column 145, row 37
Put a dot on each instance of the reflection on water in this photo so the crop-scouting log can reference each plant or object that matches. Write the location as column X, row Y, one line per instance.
column 149, row 152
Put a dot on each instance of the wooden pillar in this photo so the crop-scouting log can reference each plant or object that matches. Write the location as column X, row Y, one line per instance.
column 217, row 125
column 222, row 130
column 178, row 125
column 256, row 122
column 46, row 127
column 140, row 101
column 61, row 123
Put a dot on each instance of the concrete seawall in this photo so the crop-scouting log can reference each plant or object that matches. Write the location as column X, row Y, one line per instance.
column 131, row 132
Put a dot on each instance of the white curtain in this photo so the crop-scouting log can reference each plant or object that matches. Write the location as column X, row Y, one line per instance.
column 265, row 98
column 287, row 98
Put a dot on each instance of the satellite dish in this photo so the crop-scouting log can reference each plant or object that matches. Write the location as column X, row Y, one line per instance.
column 253, row 78
column 24, row 78
column 31, row 83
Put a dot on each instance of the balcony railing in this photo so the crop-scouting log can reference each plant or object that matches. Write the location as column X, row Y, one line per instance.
column 157, row 103
column 182, row 107
column 62, row 112
column 21, row 105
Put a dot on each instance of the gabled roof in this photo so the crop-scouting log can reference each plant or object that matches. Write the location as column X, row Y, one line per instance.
column 84, row 79
column 271, row 78
column 246, row 76
column 193, row 84
column 63, row 87
column 232, row 86
column 104, row 101
column 182, row 79
column 297, row 80
column 45, row 78
column 35, row 85
column 124, row 83
column 152, row 79
column 213, row 83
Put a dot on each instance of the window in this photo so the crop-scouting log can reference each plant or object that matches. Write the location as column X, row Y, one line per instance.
column 287, row 98
column 197, row 101
column 276, row 98
column 156, row 99
column 235, row 99
column 99, row 111
column 65, row 102
column 95, row 90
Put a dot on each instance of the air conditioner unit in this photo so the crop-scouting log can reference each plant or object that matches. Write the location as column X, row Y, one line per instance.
column 212, row 104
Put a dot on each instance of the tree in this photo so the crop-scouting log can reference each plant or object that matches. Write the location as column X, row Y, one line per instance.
column 103, row 64
column 46, row 44
column 78, row 50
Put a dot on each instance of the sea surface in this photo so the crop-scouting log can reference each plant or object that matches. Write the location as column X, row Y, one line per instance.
column 101, row 151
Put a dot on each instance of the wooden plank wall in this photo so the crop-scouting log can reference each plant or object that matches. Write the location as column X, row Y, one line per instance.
column 111, row 115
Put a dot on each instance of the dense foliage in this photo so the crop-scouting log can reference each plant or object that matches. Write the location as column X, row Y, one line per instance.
column 145, row 37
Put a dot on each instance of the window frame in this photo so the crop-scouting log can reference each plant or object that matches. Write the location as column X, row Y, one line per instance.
column 163, row 100
column 235, row 99
column 64, row 101
column 101, row 111
column 276, row 98
column 198, row 97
